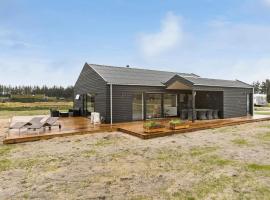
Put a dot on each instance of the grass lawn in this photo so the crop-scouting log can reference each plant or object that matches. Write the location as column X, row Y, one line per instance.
column 265, row 110
column 10, row 109
column 226, row 163
column 262, row 112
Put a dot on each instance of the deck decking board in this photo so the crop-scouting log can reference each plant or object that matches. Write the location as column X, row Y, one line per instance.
column 79, row 126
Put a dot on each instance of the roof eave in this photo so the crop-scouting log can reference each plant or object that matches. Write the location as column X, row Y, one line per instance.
column 222, row 86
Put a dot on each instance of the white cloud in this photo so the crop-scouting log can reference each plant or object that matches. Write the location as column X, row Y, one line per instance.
column 244, row 69
column 23, row 63
column 17, row 70
column 221, row 49
column 169, row 36
column 266, row 2
column 13, row 40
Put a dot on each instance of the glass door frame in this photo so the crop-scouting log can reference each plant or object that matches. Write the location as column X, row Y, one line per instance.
column 141, row 104
column 161, row 105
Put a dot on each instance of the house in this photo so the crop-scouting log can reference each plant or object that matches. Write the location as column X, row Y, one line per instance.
column 122, row 94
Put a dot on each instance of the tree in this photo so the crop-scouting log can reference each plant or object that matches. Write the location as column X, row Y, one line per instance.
column 267, row 84
column 257, row 87
column 54, row 91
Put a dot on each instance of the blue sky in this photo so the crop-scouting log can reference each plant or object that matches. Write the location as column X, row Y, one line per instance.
column 47, row 42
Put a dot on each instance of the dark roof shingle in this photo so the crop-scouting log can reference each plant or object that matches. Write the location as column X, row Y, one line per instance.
column 146, row 77
column 134, row 76
column 217, row 82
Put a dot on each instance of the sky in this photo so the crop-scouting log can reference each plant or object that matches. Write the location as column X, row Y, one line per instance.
column 48, row 42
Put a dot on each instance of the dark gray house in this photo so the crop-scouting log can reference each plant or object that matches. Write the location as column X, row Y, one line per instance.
column 123, row 94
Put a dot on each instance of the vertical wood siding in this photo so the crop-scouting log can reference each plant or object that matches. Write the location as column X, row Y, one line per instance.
column 91, row 82
column 122, row 100
column 234, row 100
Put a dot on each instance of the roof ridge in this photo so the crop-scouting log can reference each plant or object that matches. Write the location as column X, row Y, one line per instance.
column 136, row 68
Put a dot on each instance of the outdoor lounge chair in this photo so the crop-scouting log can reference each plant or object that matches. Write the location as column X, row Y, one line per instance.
column 20, row 125
column 51, row 121
column 34, row 120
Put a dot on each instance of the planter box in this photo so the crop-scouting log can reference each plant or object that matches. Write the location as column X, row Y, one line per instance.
column 154, row 130
column 179, row 126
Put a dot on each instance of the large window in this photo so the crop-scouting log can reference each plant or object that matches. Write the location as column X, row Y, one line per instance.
column 90, row 105
column 170, row 105
column 137, row 107
column 153, row 106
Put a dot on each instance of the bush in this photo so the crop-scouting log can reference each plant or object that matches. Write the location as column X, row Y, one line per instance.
column 152, row 124
column 176, row 122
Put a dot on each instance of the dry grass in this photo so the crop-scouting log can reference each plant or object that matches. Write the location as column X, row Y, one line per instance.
column 211, row 164
column 11, row 109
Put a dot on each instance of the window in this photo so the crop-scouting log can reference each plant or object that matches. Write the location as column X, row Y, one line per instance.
column 77, row 97
column 137, row 107
column 153, row 106
column 170, row 105
column 90, row 105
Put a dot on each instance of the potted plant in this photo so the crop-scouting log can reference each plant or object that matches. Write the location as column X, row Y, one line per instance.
column 153, row 127
column 177, row 124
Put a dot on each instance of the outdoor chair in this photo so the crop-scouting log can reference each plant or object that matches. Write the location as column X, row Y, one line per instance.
column 18, row 125
column 95, row 118
column 202, row 115
column 70, row 112
column 209, row 114
column 215, row 114
column 76, row 112
column 64, row 114
column 55, row 113
column 51, row 121
column 34, row 120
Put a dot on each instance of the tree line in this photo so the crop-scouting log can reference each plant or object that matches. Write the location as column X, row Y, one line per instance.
column 262, row 87
column 53, row 91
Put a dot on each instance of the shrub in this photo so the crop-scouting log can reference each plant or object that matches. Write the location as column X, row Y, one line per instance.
column 176, row 122
column 152, row 124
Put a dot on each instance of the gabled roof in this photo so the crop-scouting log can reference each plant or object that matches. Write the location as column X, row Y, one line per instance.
column 134, row 76
column 198, row 81
column 146, row 77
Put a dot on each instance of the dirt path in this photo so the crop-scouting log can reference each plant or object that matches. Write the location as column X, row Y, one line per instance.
column 226, row 163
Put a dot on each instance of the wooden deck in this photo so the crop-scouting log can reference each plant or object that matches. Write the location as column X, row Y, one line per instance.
column 136, row 129
column 80, row 125
column 70, row 126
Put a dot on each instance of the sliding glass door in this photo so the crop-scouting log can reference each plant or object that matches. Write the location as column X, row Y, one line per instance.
column 153, row 106
column 137, row 107
column 170, row 105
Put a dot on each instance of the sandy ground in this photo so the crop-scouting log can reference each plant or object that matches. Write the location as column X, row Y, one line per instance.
column 225, row 163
